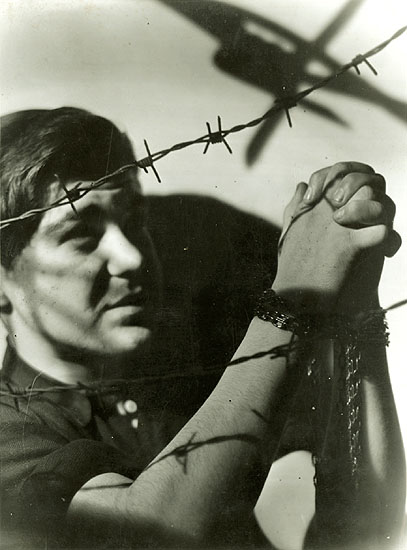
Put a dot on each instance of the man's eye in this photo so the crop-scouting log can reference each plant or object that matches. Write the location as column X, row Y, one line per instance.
column 85, row 243
column 83, row 237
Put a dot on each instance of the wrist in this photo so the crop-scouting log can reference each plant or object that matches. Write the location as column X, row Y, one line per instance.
column 368, row 326
column 311, row 300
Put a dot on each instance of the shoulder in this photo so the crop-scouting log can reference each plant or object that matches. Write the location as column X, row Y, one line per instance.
column 26, row 412
column 49, row 448
column 46, row 457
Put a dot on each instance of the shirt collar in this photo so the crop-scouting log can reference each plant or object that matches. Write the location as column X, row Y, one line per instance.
column 19, row 377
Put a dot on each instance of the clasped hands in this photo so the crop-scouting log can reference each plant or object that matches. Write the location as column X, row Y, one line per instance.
column 336, row 232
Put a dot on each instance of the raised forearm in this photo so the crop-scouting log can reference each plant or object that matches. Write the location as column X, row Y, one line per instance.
column 215, row 467
column 363, row 509
column 384, row 448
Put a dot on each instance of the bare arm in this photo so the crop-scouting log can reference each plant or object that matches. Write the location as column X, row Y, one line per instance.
column 369, row 515
column 213, row 471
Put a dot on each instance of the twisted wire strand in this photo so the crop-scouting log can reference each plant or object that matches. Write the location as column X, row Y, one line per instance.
column 115, row 385
column 280, row 104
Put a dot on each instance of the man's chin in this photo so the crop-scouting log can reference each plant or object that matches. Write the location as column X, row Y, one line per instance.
column 128, row 341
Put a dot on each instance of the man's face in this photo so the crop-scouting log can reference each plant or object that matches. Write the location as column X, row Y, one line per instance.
column 89, row 282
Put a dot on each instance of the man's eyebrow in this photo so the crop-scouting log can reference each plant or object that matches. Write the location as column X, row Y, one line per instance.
column 90, row 213
column 61, row 225
column 70, row 219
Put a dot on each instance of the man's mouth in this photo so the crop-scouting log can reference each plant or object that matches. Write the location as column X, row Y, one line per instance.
column 138, row 299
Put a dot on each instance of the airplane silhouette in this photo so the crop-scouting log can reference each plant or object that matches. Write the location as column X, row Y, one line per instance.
column 273, row 58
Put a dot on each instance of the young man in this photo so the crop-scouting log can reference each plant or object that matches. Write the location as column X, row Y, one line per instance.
column 88, row 461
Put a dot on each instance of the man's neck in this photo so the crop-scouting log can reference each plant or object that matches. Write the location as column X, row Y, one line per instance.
column 62, row 366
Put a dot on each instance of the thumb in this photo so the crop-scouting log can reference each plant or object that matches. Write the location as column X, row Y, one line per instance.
column 369, row 237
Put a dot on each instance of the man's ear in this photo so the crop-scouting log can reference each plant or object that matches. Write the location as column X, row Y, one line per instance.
column 5, row 304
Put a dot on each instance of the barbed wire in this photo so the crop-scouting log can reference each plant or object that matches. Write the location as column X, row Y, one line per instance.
column 118, row 385
column 210, row 138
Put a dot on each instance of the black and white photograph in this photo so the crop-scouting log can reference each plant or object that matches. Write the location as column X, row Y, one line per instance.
column 203, row 274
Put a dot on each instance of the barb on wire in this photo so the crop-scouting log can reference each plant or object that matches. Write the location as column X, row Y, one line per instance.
column 69, row 195
column 214, row 137
column 182, row 452
column 362, row 59
column 120, row 384
column 148, row 161
column 286, row 103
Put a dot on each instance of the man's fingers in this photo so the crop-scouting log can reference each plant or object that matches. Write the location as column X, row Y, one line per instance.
column 340, row 170
column 324, row 179
column 392, row 244
column 357, row 213
column 343, row 190
column 390, row 208
column 300, row 190
column 316, row 186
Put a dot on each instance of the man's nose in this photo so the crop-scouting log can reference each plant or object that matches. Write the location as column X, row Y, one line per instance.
column 123, row 257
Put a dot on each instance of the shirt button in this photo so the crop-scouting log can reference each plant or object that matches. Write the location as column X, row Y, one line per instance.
column 130, row 406
column 134, row 423
column 120, row 408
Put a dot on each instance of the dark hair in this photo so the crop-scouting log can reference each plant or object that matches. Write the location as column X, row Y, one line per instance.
column 36, row 145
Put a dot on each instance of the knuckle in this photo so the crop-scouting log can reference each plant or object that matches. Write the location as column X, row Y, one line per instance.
column 398, row 240
column 372, row 212
column 393, row 243
column 380, row 181
column 390, row 208
column 338, row 170
column 318, row 177
column 365, row 168
column 335, row 175
column 364, row 186
column 378, row 209
column 343, row 166
column 362, row 167
column 351, row 166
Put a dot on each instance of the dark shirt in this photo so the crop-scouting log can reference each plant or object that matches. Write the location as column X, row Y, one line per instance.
column 53, row 442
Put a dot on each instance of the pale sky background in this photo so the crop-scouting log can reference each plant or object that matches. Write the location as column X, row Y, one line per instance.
column 151, row 70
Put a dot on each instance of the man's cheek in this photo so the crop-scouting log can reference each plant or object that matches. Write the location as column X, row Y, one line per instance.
column 57, row 297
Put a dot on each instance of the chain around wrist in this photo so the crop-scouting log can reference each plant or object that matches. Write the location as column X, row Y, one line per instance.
column 284, row 315
column 370, row 327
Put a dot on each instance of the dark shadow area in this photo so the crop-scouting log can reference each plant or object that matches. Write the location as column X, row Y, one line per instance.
column 216, row 261
column 271, row 57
